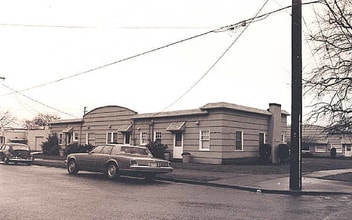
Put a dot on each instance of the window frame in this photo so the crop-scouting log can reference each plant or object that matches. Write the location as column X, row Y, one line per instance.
column 158, row 136
column 204, row 138
column 241, row 140
column 111, row 137
column 143, row 138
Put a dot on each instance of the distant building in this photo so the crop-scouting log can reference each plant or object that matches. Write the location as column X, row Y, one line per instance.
column 317, row 142
column 16, row 135
column 33, row 137
column 216, row 133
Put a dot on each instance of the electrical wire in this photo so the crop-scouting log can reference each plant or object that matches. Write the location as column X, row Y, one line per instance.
column 36, row 101
column 221, row 29
column 218, row 59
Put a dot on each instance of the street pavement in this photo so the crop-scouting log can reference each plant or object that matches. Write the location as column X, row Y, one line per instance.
column 313, row 183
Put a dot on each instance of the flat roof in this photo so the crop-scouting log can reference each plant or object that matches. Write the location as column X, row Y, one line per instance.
column 171, row 113
column 67, row 121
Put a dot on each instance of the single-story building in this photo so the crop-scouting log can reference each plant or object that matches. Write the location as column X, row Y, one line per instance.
column 215, row 133
column 316, row 141
column 33, row 137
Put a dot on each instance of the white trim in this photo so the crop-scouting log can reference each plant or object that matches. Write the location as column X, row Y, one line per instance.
column 201, row 140
column 141, row 138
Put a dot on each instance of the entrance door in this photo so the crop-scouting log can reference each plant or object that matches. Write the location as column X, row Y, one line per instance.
column 38, row 141
column 348, row 150
column 178, row 145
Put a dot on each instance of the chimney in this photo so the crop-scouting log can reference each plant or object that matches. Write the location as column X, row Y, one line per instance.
column 275, row 131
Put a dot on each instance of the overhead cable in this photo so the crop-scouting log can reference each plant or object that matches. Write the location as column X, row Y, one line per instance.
column 34, row 100
column 221, row 29
column 219, row 58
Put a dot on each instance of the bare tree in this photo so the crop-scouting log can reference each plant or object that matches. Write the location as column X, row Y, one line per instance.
column 40, row 120
column 6, row 119
column 331, row 81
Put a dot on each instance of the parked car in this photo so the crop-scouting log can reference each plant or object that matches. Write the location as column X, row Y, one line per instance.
column 16, row 153
column 114, row 160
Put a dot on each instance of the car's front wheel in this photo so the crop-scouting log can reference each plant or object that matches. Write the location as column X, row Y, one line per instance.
column 72, row 167
column 112, row 171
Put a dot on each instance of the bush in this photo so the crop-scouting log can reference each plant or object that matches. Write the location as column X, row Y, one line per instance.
column 265, row 153
column 51, row 146
column 284, row 153
column 77, row 148
column 157, row 149
column 333, row 152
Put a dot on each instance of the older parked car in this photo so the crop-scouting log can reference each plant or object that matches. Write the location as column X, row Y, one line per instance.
column 16, row 153
column 114, row 160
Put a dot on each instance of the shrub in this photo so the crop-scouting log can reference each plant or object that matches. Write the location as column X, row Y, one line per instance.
column 265, row 153
column 284, row 153
column 77, row 148
column 51, row 146
column 333, row 152
column 157, row 149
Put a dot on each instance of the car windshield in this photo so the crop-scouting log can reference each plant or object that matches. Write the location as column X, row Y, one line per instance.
column 135, row 150
column 20, row 147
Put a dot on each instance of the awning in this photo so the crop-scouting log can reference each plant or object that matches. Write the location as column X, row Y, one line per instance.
column 124, row 128
column 67, row 130
column 176, row 126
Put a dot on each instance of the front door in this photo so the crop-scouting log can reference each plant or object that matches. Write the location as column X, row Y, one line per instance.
column 348, row 150
column 178, row 145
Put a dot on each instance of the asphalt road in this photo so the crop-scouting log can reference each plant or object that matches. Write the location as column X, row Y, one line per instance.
column 34, row 192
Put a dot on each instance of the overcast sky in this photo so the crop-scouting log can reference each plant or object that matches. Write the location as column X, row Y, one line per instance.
column 44, row 41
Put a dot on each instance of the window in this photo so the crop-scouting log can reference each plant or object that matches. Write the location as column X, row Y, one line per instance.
column 61, row 138
column 204, row 140
column 2, row 139
column 157, row 136
column 261, row 139
column 97, row 150
column 107, row 150
column 348, row 147
column 111, row 138
column 75, row 137
column 90, row 138
column 127, row 138
column 320, row 148
column 143, row 138
column 239, row 141
column 178, row 139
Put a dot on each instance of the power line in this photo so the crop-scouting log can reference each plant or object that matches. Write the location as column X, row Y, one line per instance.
column 218, row 59
column 221, row 29
column 36, row 101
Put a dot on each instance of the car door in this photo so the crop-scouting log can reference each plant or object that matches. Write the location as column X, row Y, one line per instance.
column 102, row 157
column 87, row 161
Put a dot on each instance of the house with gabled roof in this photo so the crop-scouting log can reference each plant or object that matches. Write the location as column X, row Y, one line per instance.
column 216, row 133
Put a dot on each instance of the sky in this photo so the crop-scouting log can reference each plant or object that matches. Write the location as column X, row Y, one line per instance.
column 63, row 55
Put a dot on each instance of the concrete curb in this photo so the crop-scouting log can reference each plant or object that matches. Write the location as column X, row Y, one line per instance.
column 61, row 164
column 253, row 189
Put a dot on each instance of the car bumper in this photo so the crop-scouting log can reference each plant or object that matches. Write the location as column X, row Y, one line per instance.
column 20, row 160
column 145, row 169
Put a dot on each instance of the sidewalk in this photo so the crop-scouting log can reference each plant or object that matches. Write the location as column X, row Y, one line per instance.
column 313, row 183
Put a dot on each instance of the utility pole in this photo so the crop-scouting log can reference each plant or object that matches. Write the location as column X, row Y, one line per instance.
column 296, row 105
